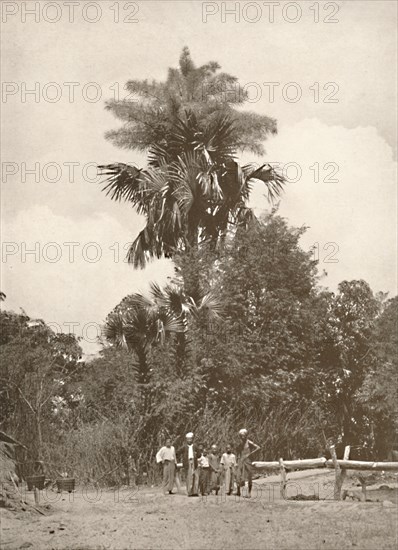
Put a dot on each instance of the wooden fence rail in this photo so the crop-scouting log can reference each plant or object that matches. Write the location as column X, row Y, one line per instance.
column 310, row 463
column 340, row 468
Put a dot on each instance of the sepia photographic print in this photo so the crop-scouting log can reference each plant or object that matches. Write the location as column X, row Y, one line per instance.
column 199, row 311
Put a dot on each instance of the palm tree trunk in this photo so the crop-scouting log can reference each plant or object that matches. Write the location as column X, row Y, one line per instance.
column 193, row 234
column 143, row 377
column 181, row 345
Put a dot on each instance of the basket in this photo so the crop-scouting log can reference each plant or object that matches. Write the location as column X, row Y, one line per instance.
column 35, row 482
column 66, row 484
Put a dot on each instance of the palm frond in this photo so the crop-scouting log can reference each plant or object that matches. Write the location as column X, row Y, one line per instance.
column 167, row 323
column 219, row 137
column 143, row 249
column 273, row 180
column 124, row 182
column 185, row 175
column 211, row 305
column 114, row 330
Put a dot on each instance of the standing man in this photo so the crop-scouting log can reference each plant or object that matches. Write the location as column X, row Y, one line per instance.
column 244, row 470
column 167, row 456
column 204, row 473
column 228, row 462
column 215, row 469
column 190, row 465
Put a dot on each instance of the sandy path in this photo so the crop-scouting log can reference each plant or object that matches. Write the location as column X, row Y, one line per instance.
column 146, row 519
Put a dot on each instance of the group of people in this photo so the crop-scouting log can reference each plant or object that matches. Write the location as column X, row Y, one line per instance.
column 205, row 471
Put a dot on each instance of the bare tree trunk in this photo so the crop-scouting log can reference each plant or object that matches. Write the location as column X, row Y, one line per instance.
column 39, row 436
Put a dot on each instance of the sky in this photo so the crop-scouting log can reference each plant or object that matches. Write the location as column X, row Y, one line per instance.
column 325, row 70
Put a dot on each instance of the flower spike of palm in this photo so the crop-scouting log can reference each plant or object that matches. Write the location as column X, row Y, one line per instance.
column 193, row 190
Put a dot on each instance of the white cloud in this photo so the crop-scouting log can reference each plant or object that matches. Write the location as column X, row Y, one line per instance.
column 84, row 282
column 358, row 213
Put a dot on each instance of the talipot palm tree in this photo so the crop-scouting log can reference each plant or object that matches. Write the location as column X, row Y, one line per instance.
column 193, row 189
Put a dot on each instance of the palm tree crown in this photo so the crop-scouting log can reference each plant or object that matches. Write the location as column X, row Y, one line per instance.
column 193, row 189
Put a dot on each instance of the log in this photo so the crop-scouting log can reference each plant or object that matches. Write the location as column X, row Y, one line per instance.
column 305, row 464
column 265, row 465
column 309, row 463
column 362, row 465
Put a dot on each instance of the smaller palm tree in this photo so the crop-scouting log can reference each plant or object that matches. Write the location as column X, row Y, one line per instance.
column 138, row 322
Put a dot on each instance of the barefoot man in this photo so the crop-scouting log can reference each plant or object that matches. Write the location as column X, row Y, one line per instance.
column 167, row 456
column 244, row 469
column 228, row 463
column 190, row 465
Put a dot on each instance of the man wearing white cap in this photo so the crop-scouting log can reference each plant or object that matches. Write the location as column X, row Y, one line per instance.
column 244, row 470
column 190, row 465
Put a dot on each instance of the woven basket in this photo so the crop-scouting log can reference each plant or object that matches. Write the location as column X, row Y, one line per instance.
column 66, row 484
column 35, row 481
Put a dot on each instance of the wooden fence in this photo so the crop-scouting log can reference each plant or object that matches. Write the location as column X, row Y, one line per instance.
column 340, row 468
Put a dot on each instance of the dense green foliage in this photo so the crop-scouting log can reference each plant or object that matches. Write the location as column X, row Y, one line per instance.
column 291, row 362
column 38, row 371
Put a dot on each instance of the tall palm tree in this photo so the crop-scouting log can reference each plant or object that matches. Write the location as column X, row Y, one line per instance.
column 193, row 189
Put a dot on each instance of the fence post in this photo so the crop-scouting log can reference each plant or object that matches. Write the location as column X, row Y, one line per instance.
column 283, row 477
column 362, row 481
column 344, row 472
column 339, row 473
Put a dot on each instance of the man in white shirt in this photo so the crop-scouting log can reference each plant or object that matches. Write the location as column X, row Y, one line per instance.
column 167, row 456
column 190, row 463
column 228, row 462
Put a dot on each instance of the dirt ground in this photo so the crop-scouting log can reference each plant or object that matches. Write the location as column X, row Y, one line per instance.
column 146, row 519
